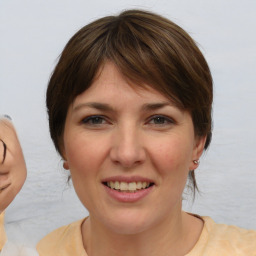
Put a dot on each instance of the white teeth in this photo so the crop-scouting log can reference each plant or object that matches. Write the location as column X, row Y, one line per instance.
column 124, row 186
column 139, row 185
column 117, row 185
column 144, row 184
column 132, row 186
column 128, row 186
column 112, row 184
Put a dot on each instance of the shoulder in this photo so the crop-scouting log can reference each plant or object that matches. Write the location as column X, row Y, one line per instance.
column 66, row 240
column 229, row 240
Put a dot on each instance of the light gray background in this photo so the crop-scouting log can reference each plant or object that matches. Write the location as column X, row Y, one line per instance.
column 32, row 35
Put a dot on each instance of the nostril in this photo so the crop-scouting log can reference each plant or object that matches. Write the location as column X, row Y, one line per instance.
column 127, row 151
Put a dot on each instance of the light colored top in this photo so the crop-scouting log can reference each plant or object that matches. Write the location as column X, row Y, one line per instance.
column 2, row 232
column 12, row 249
column 215, row 240
column 8, row 248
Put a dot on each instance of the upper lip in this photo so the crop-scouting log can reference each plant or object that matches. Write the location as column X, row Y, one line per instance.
column 127, row 179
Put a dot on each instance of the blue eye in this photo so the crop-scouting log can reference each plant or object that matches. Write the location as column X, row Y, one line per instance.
column 94, row 120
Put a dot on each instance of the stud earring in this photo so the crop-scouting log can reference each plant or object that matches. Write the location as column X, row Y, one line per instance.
column 197, row 161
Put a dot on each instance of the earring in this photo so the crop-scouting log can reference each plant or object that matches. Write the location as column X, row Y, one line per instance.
column 197, row 161
column 65, row 165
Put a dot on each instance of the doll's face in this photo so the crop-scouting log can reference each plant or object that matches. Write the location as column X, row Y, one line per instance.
column 12, row 164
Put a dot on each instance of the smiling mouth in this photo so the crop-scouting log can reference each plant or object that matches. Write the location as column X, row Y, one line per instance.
column 128, row 187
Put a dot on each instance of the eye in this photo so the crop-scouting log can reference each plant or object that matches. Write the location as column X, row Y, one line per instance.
column 94, row 120
column 160, row 120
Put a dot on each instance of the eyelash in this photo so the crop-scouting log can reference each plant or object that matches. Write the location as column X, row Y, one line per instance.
column 97, row 120
column 165, row 119
column 90, row 119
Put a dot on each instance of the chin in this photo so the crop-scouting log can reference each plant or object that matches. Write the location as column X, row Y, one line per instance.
column 128, row 222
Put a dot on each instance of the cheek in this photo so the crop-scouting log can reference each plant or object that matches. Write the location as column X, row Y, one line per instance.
column 17, row 177
column 18, row 171
column 19, row 180
column 84, row 155
column 172, row 156
column 21, row 169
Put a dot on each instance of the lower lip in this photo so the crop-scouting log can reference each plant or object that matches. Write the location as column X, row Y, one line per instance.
column 127, row 197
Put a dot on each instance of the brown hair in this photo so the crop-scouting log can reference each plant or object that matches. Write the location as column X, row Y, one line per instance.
column 147, row 49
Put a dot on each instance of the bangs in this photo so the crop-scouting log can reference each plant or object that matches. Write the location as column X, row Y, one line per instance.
column 148, row 50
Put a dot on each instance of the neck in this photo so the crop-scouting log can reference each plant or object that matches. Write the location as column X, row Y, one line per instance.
column 177, row 234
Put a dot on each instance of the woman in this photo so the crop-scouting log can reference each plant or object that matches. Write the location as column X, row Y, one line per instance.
column 129, row 106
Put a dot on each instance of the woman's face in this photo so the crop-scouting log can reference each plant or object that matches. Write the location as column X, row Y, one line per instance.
column 129, row 152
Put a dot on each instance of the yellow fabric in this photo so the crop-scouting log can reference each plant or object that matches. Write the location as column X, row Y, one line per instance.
column 2, row 232
column 64, row 241
column 224, row 240
column 215, row 240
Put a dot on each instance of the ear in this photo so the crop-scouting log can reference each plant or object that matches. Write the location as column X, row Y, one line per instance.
column 65, row 165
column 65, row 162
column 197, row 152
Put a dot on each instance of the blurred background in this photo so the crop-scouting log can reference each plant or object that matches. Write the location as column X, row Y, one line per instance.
column 33, row 34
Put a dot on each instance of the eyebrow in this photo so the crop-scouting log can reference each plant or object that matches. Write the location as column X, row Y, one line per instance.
column 107, row 108
column 95, row 105
column 155, row 106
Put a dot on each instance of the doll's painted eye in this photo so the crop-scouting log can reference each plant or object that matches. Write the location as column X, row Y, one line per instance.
column 4, row 152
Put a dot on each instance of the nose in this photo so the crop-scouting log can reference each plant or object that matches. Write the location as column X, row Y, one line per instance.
column 127, row 148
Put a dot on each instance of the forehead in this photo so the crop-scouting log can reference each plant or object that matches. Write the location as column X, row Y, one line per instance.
column 111, row 85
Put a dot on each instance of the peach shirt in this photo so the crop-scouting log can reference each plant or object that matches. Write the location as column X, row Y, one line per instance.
column 215, row 240
column 2, row 232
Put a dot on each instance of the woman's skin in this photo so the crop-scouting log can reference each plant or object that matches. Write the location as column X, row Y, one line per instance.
column 114, row 133
column 12, row 164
